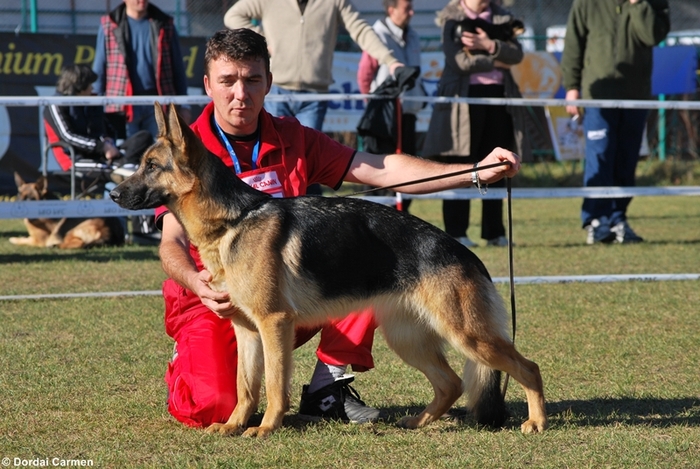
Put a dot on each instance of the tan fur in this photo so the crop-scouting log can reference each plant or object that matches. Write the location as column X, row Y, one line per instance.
column 267, row 283
column 63, row 233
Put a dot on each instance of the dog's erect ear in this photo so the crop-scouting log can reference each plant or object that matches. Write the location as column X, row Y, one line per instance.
column 174, row 124
column 160, row 119
column 18, row 180
column 42, row 185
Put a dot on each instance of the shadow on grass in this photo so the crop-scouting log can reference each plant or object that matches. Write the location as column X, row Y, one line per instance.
column 648, row 412
column 655, row 412
column 582, row 244
column 99, row 255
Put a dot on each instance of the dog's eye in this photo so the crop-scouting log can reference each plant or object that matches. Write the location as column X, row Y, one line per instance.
column 151, row 166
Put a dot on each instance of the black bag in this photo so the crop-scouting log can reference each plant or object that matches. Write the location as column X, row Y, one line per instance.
column 377, row 126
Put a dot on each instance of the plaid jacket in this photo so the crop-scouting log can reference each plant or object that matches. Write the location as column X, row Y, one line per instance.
column 116, row 31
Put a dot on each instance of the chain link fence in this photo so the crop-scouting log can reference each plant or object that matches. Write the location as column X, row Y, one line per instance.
column 202, row 17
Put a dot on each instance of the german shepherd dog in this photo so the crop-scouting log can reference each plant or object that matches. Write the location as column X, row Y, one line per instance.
column 64, row 233
column 300, row 261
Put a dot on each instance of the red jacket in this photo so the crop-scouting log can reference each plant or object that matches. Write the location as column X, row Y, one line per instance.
column 307, row 155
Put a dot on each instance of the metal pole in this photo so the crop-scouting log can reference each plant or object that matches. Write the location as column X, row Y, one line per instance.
column 33, row 12
column 178, row 19
column 662, row 124
column 73, row 19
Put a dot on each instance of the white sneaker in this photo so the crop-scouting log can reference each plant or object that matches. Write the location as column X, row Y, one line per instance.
column 501, row 241
column 464, row 240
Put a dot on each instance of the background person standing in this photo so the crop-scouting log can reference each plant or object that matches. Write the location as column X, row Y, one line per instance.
column 138, row 53
column 608, row 55
column 476, row 66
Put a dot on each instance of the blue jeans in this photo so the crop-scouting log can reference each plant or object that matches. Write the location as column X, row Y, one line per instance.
column 308, row 113
column 613, row 140
column 144, row 119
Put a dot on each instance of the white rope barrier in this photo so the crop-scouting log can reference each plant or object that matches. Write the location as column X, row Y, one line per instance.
column 107, row 208
column 66, row 209
column 33, row 101
column 564, row 192
column 518, row 280
column 598, row 278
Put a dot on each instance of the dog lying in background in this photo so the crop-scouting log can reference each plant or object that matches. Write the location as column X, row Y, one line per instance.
column 64, row 233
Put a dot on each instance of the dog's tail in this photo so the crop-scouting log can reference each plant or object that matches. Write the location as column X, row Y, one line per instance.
column 482, row 386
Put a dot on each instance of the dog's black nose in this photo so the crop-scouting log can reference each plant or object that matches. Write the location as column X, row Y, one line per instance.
column 114, row 195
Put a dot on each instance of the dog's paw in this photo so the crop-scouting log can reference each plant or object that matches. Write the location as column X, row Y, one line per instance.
column 532, row 426
column 409, row 422
column 258, row 432
column 19, row 241
column 224, row 429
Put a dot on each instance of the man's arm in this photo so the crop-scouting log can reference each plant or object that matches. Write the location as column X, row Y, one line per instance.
column 387, row 170
column 572, row 58
column 650, row 20
column 242, row 14
column 180, row 76
column 366, row 71
column 99, row 63
column 178, row 264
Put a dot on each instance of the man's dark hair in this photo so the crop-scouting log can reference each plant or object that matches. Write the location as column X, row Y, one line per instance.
column 236, row 44
column 74, row 79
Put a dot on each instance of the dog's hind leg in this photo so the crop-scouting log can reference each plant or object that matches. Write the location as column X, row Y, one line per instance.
column 249, row 378
column 501, row 355
column 277, row 334
column 422, row 348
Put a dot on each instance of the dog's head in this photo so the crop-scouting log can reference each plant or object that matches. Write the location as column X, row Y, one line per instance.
column 167, row 170
column 31, row 190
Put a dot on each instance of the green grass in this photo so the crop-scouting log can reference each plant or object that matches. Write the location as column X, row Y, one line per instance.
column 83, row 378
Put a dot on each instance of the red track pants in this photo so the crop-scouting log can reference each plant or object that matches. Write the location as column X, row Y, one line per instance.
column 201, row 378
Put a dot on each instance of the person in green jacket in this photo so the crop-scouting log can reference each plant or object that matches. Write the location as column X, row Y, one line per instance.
column 608, row 55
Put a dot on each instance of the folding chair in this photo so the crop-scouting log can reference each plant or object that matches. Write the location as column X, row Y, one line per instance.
column 92, row 174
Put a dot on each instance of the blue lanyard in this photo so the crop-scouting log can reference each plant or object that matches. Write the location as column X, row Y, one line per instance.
column 232, row 153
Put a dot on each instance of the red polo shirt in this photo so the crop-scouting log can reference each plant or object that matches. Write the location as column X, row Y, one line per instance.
column 307, row 155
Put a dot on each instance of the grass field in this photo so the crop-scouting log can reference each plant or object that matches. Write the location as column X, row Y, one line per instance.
column 82, row 379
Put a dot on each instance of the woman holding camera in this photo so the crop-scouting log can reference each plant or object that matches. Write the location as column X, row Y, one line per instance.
column 477, row 65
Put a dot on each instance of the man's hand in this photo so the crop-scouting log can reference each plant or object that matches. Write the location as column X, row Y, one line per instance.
column 393, row 67
column 218, row 302
column 572, row 95
column 499, row 155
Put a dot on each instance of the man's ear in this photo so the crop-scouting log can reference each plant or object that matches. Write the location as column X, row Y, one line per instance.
column 160, row 119
column 207, row 88
column 269, row 82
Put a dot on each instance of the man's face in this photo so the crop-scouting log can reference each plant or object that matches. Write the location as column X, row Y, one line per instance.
column 401, row 14
column 238, row 89
column 136, row 8
column 477, row 6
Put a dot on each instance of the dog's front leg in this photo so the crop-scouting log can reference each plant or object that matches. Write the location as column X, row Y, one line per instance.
column 249, row 377
column 277, row 334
